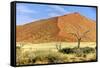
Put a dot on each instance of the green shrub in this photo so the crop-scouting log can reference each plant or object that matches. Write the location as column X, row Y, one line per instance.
column 66, row 50
column 87, row 50
column 77, row 50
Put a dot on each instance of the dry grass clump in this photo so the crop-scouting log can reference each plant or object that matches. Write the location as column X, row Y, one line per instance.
column 40, row 57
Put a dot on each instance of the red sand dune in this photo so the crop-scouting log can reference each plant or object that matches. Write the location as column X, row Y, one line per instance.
column 57, row 29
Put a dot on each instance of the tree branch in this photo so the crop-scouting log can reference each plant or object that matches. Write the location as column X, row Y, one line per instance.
column 84, row 34
column 74, row 35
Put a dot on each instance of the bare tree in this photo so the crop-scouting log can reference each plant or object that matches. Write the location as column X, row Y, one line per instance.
column 78, row 32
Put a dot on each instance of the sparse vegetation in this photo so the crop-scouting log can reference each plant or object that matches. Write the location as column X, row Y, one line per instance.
column 39, row 57
column 53, row 55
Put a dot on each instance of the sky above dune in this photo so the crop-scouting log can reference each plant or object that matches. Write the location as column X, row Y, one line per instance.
column 26, row 12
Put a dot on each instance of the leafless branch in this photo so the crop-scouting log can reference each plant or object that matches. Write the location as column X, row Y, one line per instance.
column 74, row 35
column 84, row 34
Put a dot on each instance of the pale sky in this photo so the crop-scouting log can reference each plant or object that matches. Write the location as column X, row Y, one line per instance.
column 27, row 12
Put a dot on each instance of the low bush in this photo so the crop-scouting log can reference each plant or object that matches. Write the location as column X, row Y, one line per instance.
column 77, row 50
column 66, row 50
column 88, row 50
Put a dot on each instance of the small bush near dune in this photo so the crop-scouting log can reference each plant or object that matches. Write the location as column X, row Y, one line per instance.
column 85, row 50
column 66, row 50
column 88, row 50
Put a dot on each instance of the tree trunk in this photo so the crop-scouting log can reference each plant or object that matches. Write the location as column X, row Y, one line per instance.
column 79, row 40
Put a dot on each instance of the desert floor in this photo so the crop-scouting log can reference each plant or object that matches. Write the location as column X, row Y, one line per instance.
column 46, row 53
